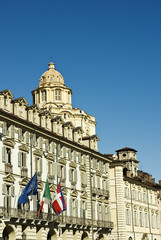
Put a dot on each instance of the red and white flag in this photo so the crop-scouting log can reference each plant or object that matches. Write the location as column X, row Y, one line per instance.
column 59, row 204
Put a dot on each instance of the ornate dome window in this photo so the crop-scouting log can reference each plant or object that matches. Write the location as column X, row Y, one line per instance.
column 57, row 95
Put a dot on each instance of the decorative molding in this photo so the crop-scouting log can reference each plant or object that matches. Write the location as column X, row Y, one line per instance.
column 9, row 178
column 72, row 164
column 74, row 193
column 82, row 168
column 52, row 188
column 24, row 148
column 62, row 161
column 9, row 142
column 84, row 195
column 50, row 156
column 38, row 152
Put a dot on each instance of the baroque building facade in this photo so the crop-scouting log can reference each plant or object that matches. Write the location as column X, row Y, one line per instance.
column 104, row 193
column 57, row 141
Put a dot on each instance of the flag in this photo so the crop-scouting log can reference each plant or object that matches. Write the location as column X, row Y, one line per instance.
column 59, row 204
column 30, row 189
column 46, row 196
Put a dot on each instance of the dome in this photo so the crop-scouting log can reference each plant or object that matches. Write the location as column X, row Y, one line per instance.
column 51, row 76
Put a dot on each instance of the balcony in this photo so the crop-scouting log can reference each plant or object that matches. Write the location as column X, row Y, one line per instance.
column 100, row 192
column 8, row 167
column 70, row 222
column 24, row 172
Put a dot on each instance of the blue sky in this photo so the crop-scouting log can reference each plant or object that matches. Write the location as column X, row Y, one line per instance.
column 109, row 53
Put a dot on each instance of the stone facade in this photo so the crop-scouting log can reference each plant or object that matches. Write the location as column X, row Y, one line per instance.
column 105, row 193
column 57, row 141
column 134, row 199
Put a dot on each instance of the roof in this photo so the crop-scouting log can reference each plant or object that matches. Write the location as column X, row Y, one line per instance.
column 126, row 149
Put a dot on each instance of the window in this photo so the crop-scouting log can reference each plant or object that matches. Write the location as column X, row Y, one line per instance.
column 139, row 196
column 22, row 159
column 136, row 218
column 83, row 209
column 153, row 220
column 6, row 155
column 58, row 95
column 128, row 217
column 146, row 220
column 145, row 197
column 43, row 95
column 72, row 176
column 157, row 221
column 126, row 192
column 38, row 164
column 141, row 220
column 62, row 172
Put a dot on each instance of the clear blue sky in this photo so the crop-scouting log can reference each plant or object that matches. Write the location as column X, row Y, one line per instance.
column 109, row 53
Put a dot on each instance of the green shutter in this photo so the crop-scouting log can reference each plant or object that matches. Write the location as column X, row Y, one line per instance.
column 64, row 152
column 25, row 157
column 53, row 147
column 47, row 145
column 20, row 134
column 79, row 158
column 76, row 207
column 106, row 167
column 41, row 142
column 74, row 155
column 4, row 128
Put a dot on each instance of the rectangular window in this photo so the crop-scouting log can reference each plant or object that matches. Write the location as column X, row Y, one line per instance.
column 6, row 155
column 128, row 217
column 141, row 220
column 38, row 164
column 146, row 220
column 136, row 218
column 58, row 95
column 22, row 159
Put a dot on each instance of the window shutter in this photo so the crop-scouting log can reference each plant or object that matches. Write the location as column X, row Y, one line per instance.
column 74, row 155
column 19, row 159
column 79, row 158
column 12, row 131
column 4, row 154
column 107, row 185
column 4, row 189
column 9, row 202
column 34, row 140
column 86, row 205
column 93, row 208
column 20, row 134
column 70, row 175
column 76, row 207
column 98, row 182
column 40, row 164
column 13, row 191
column 106, row 167
column 25, row 157
column 47, row 145
column 71, row 206
column 27, row 137
column 58, row 149
column 69, row 154
column 34, row 203
column 100, row 165
column 53, row 147
column 81, row 208
column 4, row 128
column 103, row 213
column 64, row 171
column 41, row 142
column 64, row 152
column 54, row 169
column 59, row 172
column 75, row 175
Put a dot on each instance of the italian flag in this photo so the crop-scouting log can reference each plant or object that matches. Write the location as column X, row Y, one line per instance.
column 46, row 196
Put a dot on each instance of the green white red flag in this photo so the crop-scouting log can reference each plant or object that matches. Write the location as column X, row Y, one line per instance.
column 46, row 197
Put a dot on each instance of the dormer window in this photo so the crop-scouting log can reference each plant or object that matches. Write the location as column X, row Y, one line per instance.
column 58, row 95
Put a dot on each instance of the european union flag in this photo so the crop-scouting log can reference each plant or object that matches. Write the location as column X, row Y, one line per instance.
column 30, row 189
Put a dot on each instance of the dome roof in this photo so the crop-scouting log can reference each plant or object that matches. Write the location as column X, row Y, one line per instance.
column 51, row 76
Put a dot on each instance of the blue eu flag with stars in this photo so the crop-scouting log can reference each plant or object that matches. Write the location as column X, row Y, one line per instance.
column 30, row 189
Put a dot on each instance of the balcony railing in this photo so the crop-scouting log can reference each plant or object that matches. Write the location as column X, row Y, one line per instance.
column 24, row 172
column 8, row 167
column 8, row 213
column 100, row 192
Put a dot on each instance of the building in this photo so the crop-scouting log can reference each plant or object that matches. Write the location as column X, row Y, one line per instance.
column 107, row 196
column 134, row 199
column 57, row 141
